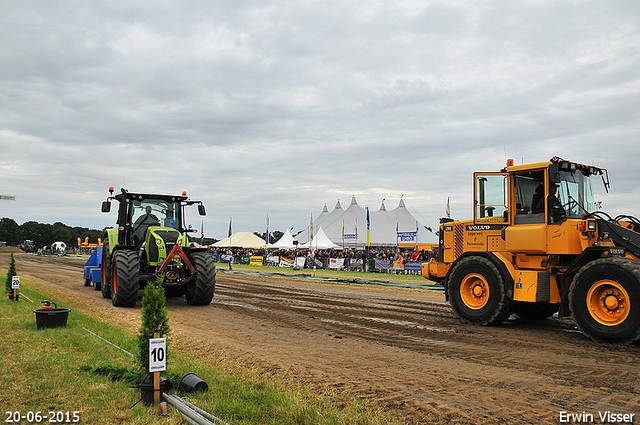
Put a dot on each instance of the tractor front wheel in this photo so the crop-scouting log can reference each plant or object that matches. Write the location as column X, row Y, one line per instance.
column 125, row 278
column 200, row 291
column 477, row 291
column 605, row 300
column 105, row 283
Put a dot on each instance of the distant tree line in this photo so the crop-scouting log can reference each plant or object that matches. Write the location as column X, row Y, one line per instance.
column 43, row 234
column 273, row 236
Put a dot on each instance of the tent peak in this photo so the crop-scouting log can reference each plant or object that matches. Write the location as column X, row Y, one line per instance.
column 353, row 200
column 382, row 206
column 401, row 204
column 325, row 208
column 338, row 207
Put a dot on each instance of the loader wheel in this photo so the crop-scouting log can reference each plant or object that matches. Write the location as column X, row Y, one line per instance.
column 106, row 271
column 477, row 292
column 200, row 292
column 605, row 300
column 125, row 278
column 534, row 311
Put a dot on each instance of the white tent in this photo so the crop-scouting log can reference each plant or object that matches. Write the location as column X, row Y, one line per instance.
column 241, row 240
column 320, row 241
column 349, row 227
column 285, row 242
column 325, row 215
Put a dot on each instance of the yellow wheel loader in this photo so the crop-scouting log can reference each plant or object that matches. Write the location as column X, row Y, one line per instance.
column 536, row 246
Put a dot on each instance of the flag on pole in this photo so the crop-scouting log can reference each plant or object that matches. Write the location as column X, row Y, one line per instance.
column 202, row 233
column 311, row 230
column 230, row 226
column 448, row 211
column 267, row 239
column 368, row 229
column 417, row 231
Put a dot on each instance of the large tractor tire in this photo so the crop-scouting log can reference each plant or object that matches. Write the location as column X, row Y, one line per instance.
column 605, row 300
column 125, row 278
column 105, row 283
column 477, row 292
column 200, row 291
column 534, row 311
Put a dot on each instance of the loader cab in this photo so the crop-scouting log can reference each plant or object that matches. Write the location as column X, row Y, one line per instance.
column 544, row 193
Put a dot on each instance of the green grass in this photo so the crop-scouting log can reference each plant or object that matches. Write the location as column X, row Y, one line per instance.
column 338, row 274
column 48, row 370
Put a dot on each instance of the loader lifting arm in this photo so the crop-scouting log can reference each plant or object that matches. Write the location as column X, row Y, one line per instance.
column 627, row 237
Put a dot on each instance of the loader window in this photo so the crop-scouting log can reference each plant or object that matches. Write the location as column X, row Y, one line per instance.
column 529, row 192
column 491, row 198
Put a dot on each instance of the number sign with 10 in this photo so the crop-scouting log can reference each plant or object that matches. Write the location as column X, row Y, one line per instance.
column 157, row 354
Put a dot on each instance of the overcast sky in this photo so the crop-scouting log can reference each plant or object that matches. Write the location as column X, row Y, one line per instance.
column 278, row 107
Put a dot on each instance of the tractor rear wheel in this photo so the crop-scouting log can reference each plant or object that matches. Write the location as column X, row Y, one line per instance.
column 200, row 291
column 125, row 278
column 605, row 300
column 106, row 271
column 477, row 292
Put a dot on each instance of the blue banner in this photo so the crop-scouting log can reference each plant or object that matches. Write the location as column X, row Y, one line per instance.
column 407, row 236
column 414, row 265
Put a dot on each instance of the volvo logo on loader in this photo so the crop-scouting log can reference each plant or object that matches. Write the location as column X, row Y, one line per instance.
column 476, row 227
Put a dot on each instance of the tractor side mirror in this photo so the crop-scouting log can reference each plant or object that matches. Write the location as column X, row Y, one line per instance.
column 106, row 206
column 202, row 210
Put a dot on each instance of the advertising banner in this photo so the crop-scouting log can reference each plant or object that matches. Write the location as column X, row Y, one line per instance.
column 383, row 264
column 256, row 260
column 413, row 266
column 285, row 262
column 336, row 263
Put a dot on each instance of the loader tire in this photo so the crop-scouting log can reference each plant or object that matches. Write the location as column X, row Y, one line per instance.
column 200, row 291
column 477, row 292
column 605, row 300
column 125, row 278
column 534, row 311
column 105, row 283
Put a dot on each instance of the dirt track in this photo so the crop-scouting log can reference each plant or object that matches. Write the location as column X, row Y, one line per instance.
column 403, row 348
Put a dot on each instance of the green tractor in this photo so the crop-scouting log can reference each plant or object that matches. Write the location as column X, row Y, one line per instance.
column 151, row 240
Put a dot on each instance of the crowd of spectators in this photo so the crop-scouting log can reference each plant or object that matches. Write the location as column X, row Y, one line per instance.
column 322, row 256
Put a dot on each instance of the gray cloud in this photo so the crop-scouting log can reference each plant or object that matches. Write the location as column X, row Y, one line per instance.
column 280, row 107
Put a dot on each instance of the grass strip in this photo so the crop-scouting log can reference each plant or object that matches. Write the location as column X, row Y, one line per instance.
column 50, row 370
column 336, row 274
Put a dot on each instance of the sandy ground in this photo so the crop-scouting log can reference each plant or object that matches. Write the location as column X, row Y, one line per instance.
column 403, row 348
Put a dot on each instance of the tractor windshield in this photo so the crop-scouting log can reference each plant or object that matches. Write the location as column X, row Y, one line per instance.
column 155, row 212
column 575, row 193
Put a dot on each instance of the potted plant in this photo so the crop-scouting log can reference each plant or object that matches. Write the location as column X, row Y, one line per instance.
column 10, row 274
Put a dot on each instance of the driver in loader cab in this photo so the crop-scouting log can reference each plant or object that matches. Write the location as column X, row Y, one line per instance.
column 556, row 212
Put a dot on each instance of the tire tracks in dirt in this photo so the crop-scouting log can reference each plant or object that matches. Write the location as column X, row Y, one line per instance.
column 404, row 349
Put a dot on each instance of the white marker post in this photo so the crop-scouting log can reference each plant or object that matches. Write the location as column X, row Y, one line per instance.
column 15, row 285
column 157, row 362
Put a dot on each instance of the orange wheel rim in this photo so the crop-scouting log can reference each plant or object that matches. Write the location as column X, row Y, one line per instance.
column 608, row 303
column 474, row 291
